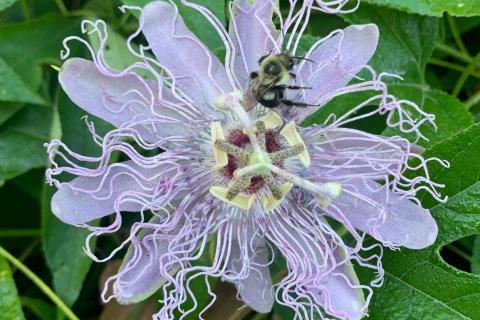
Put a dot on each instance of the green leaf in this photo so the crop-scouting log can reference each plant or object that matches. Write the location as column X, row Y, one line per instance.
column 4, row 4
column 465, row 8
column 10, row 308
column 476, row 255
column 40, row 308
column 8, row 109
column 418, row 283
column 63, row 244
column 13, row 89
column 21, row 141
column 26, row 46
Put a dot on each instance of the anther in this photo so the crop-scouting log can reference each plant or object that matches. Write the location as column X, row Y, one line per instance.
column 260, row 125
column 273, row 186
column 286, row 153
column 231, row 149
column 237, row 186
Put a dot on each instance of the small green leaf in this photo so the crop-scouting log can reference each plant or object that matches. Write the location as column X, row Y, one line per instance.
column 10, row 308
column 4, row 4
column 13, row 89
column 418, row 283
column 465, row 8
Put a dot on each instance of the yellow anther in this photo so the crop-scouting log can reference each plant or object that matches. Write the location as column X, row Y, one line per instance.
column 241, row 200
column 290, row 133
column 221, row 158
column 329, row 191
column 272, row 120
column 270, row 203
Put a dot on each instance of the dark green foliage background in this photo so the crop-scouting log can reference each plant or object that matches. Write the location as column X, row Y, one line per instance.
column 433, row 44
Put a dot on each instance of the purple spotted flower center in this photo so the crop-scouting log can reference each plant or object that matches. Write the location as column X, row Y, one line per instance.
column 239, row 139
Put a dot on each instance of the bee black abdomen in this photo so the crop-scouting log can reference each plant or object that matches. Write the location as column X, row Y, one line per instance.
column 270, row 103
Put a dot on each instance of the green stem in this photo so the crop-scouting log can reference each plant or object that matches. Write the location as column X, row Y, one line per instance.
column 25, row 11
column 451, row 65
column 20, row 233
column 24, row 255
column 459, row 252
column 473, row 100
column 39, row 283
column 461, row 81
column 61, row 7
column 456, row 35
column 453, row 52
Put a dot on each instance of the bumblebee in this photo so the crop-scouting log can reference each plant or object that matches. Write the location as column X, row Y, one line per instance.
column 270, row 82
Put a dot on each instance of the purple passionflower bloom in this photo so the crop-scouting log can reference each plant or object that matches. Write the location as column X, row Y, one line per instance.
column 252, row 181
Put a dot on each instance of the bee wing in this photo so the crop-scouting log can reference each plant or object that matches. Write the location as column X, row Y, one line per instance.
column 254, row 93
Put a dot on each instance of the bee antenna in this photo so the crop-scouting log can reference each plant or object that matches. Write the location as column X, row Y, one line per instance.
column 302, row 58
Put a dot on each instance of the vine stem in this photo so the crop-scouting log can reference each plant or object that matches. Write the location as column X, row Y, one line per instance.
column 469, row 69
column 450, row 65
column 473, row 100
column 456, row 35
column 39, row 283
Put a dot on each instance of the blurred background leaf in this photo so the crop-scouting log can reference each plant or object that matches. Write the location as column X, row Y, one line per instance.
column 10, row 308
column 434, row 7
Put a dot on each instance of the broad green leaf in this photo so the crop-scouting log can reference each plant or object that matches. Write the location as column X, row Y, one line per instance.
column 39, row 307
column 418, row 283
column 4, row 4
column 10, row 308
column 8, row 109
column 21, row 141
column 13, row 89
column 465, row 8
column 27, row 45
column 476, row 255
column 196, row 22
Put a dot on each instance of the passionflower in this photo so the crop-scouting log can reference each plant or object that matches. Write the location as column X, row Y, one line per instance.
column 255, row 185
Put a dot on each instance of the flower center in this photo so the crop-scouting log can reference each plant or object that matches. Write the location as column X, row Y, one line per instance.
column 250, row 169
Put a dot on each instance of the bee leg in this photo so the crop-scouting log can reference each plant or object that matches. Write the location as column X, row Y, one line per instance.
column 253, row 75
column 291, row 103
column 297, row 87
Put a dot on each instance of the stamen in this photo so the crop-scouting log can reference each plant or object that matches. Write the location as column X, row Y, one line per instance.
column 221, row 158
column 271, row 120
column 290, row 133
column 231, row 149
column 273, row 186
column 237, row 186
column 286, row 153
column 271, row 203
column 242, row 200
column 261, row 134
